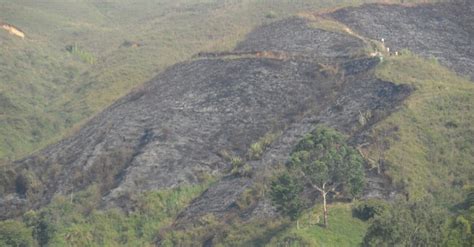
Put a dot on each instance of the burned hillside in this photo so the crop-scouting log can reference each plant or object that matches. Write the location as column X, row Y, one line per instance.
column 189, row 122
column 441, row 31
column 174, row 129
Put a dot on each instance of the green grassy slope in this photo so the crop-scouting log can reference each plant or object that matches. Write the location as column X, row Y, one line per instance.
column 427, row 146
column 74, row 222
column 433, row 148
column 343, row 229
column 153, row 211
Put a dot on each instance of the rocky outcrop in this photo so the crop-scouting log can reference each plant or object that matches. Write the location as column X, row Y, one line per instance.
column 12, row 30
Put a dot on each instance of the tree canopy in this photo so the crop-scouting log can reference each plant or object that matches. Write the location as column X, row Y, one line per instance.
column 418, row 223
column 15, row 233
column 284, row 194
column 323, row 161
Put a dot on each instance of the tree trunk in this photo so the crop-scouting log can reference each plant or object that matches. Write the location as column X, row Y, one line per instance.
column 297, row 224
column 325, row 209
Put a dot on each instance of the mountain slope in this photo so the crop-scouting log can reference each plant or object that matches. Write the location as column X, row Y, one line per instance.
column 197, row 122
column 118, row 45
column 175, row 129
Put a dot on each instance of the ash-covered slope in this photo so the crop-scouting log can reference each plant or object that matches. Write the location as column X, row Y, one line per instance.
column 284, row 78
column 444, row 31
column 296, row 36
column 174, row 129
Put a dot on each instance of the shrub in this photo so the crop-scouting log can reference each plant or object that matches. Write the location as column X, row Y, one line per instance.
column 256, row 149
column 247, row 198
column 246, row 171
column 7, row 180
column 240, row 168
column 366, row 210
column 14, row 233
column 292, row 240
column 236, row 162
column 416, row 223
column 83, row 55
column 271, row 15
column 284, row 194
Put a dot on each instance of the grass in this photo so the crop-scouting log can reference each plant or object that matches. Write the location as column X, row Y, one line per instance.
column 74, row 221
column 85, row 56
column 343, row 229
column 433, row 149
column 258, row 148
column 235, row 233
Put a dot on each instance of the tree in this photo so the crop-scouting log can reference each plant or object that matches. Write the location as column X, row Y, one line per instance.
column 41, row 225
column 285, row 196
column 417, row 223
column 368, row 209
column 15, row 233
column 460, row 231
column 325, row 162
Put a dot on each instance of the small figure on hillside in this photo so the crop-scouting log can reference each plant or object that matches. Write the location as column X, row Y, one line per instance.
column 388, row 50
column 396, row 53
column 376, row 53
column 383, row 41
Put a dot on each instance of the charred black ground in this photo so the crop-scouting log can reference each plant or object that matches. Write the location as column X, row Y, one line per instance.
column 443, row 31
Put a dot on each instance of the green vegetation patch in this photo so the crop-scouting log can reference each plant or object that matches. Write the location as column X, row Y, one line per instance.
column 257, row 149
column 343, row 230
column 431, row 137
column 74, row 221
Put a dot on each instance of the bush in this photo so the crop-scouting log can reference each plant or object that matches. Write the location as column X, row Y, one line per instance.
column 246, row 171
column 256, row 149
column 366, row 210
column 285, row 190
column 14, row 233
column 83, row 55
column 240, row 168
column 292, row 240
column 271, row 15
column 416, row 223
column 236, row 162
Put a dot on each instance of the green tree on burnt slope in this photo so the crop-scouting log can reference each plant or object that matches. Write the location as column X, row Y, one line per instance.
column 285, row 192
column 323, row 161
